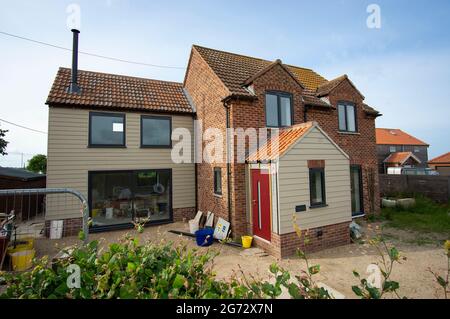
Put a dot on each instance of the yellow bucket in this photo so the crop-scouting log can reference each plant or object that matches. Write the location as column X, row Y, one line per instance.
column 22, row 260
column 20, row 245
column 247, row 241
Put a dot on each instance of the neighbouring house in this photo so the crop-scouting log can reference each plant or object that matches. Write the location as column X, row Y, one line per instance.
column 441, row 164
column 25, row 207
column 396, row 148
column 236, row 91
column 110, row 137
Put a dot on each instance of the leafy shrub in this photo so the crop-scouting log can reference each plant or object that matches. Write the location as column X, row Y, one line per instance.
column 124, row 270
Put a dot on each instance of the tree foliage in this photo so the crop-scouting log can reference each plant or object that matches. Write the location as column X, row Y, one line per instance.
column 3, row 142
column 38, row 164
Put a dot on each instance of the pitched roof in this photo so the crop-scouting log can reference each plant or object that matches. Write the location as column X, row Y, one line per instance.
column 269, row 67
column 103, row 91
column 327, row 87
column 19, row 173
column 387, row 136
column 442, row 159
column 401, row 157
column 286, row 138
column 235, row 69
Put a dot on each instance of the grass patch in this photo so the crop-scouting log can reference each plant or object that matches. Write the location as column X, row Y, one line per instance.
column 426, row 216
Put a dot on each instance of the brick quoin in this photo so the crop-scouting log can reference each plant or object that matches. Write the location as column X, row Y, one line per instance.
column 207, row 93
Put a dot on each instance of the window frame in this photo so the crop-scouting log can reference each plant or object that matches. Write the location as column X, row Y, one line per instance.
column 279, row 94
column 355, row 113
column 216, row 182
column 321, row 170
column 126, row 225
column 392, row 147
column 142, row 131
column 107, row 114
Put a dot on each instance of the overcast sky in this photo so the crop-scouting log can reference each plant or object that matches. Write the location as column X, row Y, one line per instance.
column 402, row 68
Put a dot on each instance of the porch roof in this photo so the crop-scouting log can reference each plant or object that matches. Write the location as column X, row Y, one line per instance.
column 279, row 144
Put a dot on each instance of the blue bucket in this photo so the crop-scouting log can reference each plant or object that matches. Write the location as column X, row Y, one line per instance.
column 204, row 237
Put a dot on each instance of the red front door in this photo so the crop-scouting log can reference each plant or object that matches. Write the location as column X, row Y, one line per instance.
column 261, row 204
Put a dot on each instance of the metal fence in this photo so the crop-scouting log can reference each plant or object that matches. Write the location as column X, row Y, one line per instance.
column 46, row 212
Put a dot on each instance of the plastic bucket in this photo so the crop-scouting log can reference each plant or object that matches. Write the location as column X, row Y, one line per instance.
column 22, row 260
column 193, row 226
column 21, row 245
column 247, row 241
column 204, row 237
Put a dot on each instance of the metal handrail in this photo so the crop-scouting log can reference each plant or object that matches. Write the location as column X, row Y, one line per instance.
column 46, row 191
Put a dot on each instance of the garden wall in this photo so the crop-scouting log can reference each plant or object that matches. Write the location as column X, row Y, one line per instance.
column 434, row 187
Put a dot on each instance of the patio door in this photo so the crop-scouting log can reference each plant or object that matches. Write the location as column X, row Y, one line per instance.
column 261, row 204
column 356, row 189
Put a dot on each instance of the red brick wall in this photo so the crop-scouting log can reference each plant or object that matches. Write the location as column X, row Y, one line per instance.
column 361, row 147
column 183, row 214
column 207, row 92
column 286, row 245
column 252, row 115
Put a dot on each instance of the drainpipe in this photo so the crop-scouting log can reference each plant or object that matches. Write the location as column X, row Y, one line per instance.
column 227, row 109
column 305, row 109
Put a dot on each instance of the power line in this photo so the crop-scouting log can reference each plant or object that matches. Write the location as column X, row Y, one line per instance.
column 92, row 54
column 24, row 127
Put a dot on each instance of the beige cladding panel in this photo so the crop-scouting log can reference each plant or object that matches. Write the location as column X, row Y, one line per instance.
column 70, row 159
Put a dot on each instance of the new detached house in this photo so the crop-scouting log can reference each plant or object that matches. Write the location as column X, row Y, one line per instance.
column 327, row 175
column 112, row 140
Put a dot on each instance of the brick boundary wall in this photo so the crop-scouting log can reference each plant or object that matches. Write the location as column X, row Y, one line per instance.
column 286, row 245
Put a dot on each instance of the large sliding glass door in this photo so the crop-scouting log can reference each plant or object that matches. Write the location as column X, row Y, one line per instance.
column 356, row 190
column 120, row 197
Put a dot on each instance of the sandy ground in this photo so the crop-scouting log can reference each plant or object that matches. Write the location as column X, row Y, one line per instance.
column 336, row 264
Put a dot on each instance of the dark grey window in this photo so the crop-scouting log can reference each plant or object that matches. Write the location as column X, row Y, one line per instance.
column 156, row 131
column 347, row 117
column 217, row 181
column 278, row 109
column 317, row 186
column 106, row 129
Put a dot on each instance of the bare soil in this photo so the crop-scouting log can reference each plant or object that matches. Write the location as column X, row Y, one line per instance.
column 336, row 264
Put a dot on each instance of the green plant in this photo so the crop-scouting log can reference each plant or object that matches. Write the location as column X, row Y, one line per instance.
column 124, row 270
column 389, row 257
column 444, row 283
column 3, row 143
column 38, row 164
column 425, row 216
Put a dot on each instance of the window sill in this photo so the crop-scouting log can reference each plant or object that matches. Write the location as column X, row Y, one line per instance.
column 218, row 195
column 106, row 146
column 349, row 133
column 318, row 206
column 157, row 146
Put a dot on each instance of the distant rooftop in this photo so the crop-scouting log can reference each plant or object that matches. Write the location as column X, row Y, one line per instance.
column 19, row 173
